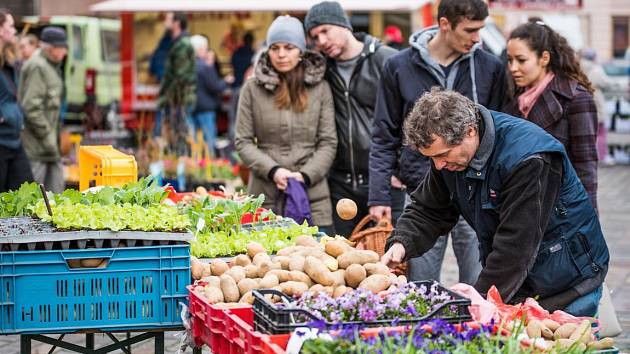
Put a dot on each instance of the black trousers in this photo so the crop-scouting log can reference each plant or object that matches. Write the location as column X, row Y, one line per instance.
column 340, row 188
column 15, row 168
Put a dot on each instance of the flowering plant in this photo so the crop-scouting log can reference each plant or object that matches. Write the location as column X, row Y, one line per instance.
column 436, row 336
column 409, row 301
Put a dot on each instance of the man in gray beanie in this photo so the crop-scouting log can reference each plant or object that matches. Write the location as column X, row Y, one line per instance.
column 355, row 62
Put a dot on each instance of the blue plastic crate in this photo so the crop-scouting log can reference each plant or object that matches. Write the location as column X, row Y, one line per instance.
column 134, row 288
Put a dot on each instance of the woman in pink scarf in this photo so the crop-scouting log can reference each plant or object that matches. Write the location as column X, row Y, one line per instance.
column 551, row 90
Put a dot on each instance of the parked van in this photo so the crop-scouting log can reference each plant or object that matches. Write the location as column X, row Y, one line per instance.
column 92, row 66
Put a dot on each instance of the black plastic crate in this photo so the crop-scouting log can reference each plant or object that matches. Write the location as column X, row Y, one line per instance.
column 272, row 318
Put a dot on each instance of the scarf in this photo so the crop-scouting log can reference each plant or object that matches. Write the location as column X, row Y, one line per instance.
column 527, row 100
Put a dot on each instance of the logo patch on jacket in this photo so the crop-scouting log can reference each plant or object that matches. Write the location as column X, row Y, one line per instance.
column 493, row 195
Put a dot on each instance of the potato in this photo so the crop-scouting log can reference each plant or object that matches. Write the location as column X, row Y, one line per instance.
column 582, row 332
column 269, row 281
column 207, row 271
column 329, row 261
column 376, row 268
column 565, row 343
column 340, row 291
column 551, row 324
column 603, row 343
column 306, row 241
column 265, row 267
column 338, row 277
column 295, row 275
column 253, row 248
column 229, row 288
column 336, row 248
column 246, row 285
column 402, row 280
column 355, row 274
column 283, row 275
column 219, row 267
column 251, row 271
column 213, row 294
column 360, row 257
column 534, row 329
column 242, row 260
column 196, row 268
column 310, row 251
column 288, row 251
column 296, row 262
column 261, row 258
column 91, row 262
column 565, row 331
column 329, row 290
column 237, row 273
column 212, row 280
column 283, row 260
column 316, row 269
column 376, row 283
column 346, row 209
column 294, row 288
column 316, row 289
column 247, row 298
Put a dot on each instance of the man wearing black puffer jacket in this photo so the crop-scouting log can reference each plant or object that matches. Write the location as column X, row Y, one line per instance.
column 449, row 56
column 355, row 62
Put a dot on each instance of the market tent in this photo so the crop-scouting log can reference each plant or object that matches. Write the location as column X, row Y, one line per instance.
column 249, row 5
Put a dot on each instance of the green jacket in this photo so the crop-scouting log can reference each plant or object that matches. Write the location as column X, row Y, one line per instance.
column 178, row 87
column 40, row 95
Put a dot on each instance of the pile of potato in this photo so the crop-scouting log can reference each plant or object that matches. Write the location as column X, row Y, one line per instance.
column 333, row 267
column 548, row 334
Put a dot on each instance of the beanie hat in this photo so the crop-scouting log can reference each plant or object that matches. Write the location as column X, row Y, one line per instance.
column 326, row 13
column 287, row 29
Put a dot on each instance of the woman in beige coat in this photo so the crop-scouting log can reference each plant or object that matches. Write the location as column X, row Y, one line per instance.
column 285, row 124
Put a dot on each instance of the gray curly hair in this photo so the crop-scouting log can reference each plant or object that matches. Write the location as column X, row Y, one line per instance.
column 446, row 114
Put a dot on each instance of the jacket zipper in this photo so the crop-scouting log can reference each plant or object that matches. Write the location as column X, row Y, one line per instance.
column 346, row 93
column 588, row 252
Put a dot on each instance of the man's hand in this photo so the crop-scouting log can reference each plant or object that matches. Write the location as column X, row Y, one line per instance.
column 394, row 255
column 381, row 211
column 280, row 178
column 298, row 176
column 396, row 183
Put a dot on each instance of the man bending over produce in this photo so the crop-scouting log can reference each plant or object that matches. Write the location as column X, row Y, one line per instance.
column 539, row 235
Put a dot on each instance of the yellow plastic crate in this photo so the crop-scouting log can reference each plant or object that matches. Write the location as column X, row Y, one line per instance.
column 105, row 166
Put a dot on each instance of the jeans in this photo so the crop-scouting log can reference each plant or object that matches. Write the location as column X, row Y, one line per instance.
column 207, row 123
column 157, row 127
column 586, row 305
column 466, row 249
column 50, row 174
column 15, row 168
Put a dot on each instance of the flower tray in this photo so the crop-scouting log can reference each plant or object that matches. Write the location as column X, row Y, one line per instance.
column 283, row 318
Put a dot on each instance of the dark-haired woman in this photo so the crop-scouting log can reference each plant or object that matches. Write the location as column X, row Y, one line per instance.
column 14, row 165
column 551, row 90
column 285, row 124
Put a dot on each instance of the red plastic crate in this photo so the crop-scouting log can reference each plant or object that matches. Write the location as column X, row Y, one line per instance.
column 275, row 344
column 241, row 335
column 209, row 322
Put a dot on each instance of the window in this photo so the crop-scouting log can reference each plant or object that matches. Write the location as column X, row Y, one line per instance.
column 77, row 43
column 620, row 36
column 111, row 46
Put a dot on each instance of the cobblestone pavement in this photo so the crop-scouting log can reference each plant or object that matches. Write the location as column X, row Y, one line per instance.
column 614, row 204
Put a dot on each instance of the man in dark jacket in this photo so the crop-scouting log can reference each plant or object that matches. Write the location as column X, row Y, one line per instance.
column 355, row 62
column 447, row 56
column 513, row 182
column 209, row 90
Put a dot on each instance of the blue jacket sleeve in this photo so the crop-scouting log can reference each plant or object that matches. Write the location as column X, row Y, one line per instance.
column 386, row 136
column 211, row 80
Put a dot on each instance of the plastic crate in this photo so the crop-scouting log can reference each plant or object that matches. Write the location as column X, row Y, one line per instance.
column 241, row 335
column 274, row 319
column 133, row 288
column 209, row 322
column 105, row 166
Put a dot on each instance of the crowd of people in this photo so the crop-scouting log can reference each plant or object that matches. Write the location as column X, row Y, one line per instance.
column 443, row 138
column 31, row 94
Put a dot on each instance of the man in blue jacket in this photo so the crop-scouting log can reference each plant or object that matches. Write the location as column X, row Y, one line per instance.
column 450, row 56
column 539, row 235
